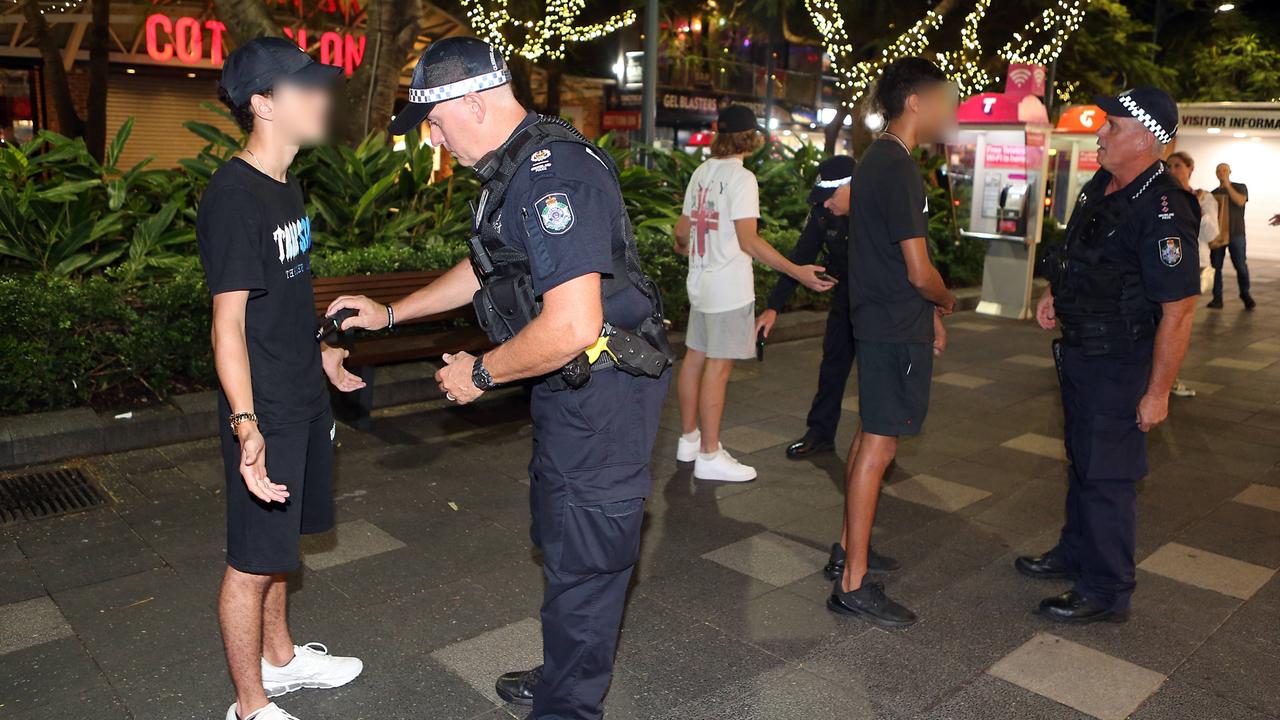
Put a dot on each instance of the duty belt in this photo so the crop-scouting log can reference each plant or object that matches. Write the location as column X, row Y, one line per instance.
column 1107, row 336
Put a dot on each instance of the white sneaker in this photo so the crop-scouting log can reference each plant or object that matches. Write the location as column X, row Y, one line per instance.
column 270, row 712
column 722, row 466
column 1181, row 390
column 687, row 450
column 311, row 667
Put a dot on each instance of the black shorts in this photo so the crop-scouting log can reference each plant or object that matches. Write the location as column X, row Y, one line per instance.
column 893, row 386
column 262, row 538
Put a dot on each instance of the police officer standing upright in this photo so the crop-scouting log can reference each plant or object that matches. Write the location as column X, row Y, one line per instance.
column 558, row 286
column 1123, row 289
column 826, row 232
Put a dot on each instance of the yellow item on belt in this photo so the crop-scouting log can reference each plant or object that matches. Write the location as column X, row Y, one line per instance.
column 600, row 347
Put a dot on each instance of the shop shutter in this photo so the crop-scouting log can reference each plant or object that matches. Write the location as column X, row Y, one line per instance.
column 159, row 105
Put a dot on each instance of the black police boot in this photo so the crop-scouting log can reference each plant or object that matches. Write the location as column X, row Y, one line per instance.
column 808, row 446
column 1072, row 607
column 871, row 604
column 1249, row 302
column 876, row 562
column 1215, row 304
column 1047, row 566
column 517, row 687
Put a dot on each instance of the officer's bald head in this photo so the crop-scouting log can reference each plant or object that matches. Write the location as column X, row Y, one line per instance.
column 475, row 124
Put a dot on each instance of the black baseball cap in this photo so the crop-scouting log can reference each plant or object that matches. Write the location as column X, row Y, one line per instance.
column 736, row 118
column 259, row 64
column 448, row 69
column 833, row 172
column 1148, row 104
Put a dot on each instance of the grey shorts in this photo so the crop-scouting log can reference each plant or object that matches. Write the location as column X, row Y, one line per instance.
column 893, row 386
column 724, row 335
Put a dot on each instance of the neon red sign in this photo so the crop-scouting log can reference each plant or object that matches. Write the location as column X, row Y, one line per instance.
column 190, row 41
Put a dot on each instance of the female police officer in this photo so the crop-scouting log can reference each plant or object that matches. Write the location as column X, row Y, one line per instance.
column 1123, row 288
column 553, row 271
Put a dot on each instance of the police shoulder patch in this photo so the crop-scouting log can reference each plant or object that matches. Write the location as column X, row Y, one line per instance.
column 555, row 214
column 1171, row 251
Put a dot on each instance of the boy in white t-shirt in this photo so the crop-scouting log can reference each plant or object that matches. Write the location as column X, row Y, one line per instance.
column 717, row 230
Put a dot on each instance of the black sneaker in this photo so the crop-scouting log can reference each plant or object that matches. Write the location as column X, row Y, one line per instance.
column 876, row 562
column 517, row 687
column 871, row 604
column 1215, row 304
column 808, row 446
column 1249, row 302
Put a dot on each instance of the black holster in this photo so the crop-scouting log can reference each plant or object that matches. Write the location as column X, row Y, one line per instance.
column 1107, row 336
column 504, row 305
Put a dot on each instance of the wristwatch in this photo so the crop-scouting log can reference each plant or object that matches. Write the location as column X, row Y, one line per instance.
column 480, row 376
column 241, row 417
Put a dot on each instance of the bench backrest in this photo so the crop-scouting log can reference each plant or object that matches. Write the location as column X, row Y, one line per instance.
column 383, row 288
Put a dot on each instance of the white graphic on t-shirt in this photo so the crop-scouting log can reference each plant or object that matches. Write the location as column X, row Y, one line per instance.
column 293, row 239
column 706, row 218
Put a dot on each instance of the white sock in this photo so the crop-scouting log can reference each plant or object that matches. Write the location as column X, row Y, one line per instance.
column 691, row 436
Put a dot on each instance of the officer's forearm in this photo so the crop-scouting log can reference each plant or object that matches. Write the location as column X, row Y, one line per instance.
column 571, row 318
column 451, row 290
column 1173, row 335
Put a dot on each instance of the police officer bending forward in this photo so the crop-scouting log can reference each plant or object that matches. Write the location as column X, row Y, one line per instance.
column 1123, row 289
column 553, row 271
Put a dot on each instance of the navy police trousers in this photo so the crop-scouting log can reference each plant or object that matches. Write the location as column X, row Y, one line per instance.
column 833, row 373
column 588, row 482
column 1107, row 456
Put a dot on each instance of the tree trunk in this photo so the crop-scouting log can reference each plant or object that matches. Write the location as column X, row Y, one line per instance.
column 369, row 97
column 95, row 130
column 247, row 19
column 833, row 128
column 56, row 91
column 555, row 83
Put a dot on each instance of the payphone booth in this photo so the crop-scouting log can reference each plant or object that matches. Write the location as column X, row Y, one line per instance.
column 997, row 170
column 1073, row 157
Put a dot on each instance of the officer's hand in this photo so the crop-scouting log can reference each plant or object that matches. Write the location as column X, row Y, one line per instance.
column 455, row 378
column 765, row 321
column 372, row 315
column 939, row 335
column 1152, row 410
column 1045, row 314
column 807, row 275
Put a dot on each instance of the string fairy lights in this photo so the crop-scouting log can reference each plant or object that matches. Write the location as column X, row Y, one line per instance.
column 1040, row 42
column 544, row 37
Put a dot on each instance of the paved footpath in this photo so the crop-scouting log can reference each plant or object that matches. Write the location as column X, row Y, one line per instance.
column 430, row 576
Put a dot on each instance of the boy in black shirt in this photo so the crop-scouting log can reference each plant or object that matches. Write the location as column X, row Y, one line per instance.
column 896, row 301
column 254, row 237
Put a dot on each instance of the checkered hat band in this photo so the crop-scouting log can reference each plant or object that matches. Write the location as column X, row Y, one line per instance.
column 828, row 184
column 1145, row 118
column 460, row 88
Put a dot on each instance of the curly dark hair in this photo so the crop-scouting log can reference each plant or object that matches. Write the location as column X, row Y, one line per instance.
column 242, row 114
column 903, row 78
column 725, row 144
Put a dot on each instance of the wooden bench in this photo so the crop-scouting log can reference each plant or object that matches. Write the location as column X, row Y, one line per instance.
column 369, row 350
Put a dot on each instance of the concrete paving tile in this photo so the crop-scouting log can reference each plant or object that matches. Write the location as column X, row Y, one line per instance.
column 1238, row 363
column 34, row 679
column 1263, row 496
column 850, row 403
column 970, row 382
column 99, row 703
column 21, row 582
column 1234, row 668
column 761, row 506
column 687, row 666
column 1079, row 677
column 747, row 439
column 990, row 698
column 1207, row 570
column 936, row 493
column 974, row 326
column 31, row 622
column 782, row 692
column 1266, row 347
column 480, row 660
column 769, row 558
column 781, row 623
column 194, row 688
column 1239, row 531
column 1180, row 701
column 1036, row 361
column 347, row 542
column 1037, row 444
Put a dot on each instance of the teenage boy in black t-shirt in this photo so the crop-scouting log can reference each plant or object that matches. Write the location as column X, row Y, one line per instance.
column 255, row 237
column 896, row 300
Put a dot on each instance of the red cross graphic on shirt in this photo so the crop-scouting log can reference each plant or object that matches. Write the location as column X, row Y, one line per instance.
column 704, row 221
